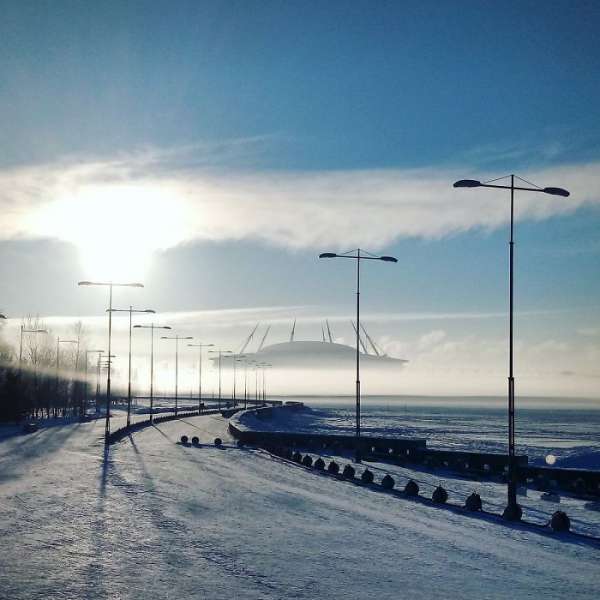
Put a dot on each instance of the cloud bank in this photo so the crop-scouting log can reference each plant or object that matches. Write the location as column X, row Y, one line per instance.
column 177, row 202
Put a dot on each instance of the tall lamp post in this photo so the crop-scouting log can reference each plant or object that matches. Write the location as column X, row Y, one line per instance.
column 200, row 346
column 151, row 327
column 85, row 391
column 58, row 343
column 23, row 330
column 131, row 311
column 243, row 359
column 512, row 511
column 220, row 353
column 110, row 286
column 264, row 366
column 358, row 257
column 34, row 357
column 256, row 368
column 176, row 338
column 234, row 360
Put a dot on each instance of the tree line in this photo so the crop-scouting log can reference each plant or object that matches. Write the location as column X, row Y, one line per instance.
column 41, row 378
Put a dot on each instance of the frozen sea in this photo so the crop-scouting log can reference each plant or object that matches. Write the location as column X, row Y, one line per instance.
column 567, row 429
column 151, row 518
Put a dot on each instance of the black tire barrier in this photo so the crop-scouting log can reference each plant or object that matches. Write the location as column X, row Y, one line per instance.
column 512, row 513
column 473, row 502
column 388, row 483
column 240, row 444
column 307, row 461
column 184, row 439
column 195, row 441
column 287, row 453
column 297, row 457
column 411, row 488
column 333, row 467
column 579, row 486
column 319, row 464
column 218, row 442
column 560, row 521
column 367, row 476
column 348, row 472
column 440, row 495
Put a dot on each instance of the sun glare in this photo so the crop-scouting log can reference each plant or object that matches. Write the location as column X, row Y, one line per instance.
column 117, row 228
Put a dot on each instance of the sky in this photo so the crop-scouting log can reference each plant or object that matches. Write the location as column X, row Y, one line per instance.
column 212, row 150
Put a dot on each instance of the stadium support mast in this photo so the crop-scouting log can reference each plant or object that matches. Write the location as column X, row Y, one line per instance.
column 362, row 344
column 262, row 342
column 370, row 340
column 249, row 339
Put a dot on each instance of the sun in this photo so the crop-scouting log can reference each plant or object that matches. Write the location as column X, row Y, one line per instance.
column 117, row 228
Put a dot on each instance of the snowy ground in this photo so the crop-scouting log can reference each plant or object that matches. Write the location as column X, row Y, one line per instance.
column 583, row 512
column 155, row 519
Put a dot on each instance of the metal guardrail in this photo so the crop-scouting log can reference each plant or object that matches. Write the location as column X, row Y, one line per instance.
column 121, row 432
column 414, row 452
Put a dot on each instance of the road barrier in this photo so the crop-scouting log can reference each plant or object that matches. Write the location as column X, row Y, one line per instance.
column 121, row 432
column 414, row 452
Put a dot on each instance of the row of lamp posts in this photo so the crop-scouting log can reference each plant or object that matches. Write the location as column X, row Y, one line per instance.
column 153, row 327
column 108, row 362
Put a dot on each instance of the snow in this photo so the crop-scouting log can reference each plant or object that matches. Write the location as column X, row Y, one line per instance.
column 155, row 519
column 584, row 514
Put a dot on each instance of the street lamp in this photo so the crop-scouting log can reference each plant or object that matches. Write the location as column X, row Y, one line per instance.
column 110, row 286
column 513, row 511
column 244, row 359
column 152, row 327
column 358, row 257
column 176, row 338
column 220, row 353
column 58, row 343
column 264, row 366
column 102, row 364
column 234, row 359
column 130, row 310
column 23, row 330
column 256, row 370
column 85, row 395
column 200, row 346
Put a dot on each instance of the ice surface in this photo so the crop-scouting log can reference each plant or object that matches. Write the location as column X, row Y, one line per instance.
column 155, row 519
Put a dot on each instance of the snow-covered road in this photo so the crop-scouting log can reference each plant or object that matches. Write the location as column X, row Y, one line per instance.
column 155, row 519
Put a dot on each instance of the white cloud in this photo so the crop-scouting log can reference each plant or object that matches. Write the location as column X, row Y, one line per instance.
column 589, row 331
column 175, row 202
column 433, row 338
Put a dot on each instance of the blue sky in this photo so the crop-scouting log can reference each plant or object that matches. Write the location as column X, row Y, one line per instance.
column 261, row 133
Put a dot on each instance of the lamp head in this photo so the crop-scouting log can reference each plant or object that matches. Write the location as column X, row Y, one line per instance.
column 327, row 255
column 388, row 259
column 555, row 191
column 467, row 183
